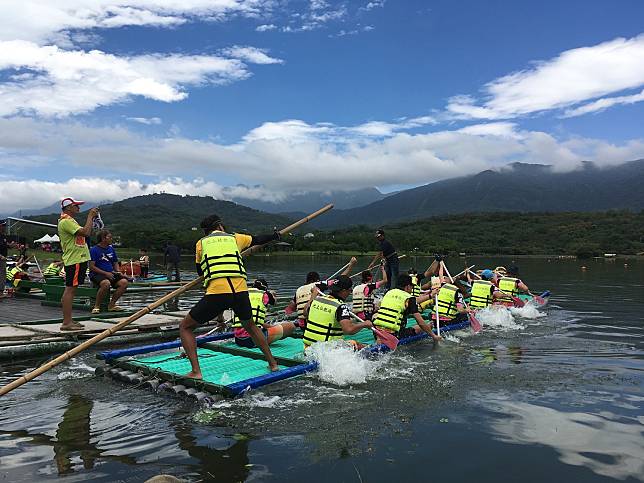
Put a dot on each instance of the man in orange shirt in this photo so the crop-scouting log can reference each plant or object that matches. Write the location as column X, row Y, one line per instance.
column 219, row 261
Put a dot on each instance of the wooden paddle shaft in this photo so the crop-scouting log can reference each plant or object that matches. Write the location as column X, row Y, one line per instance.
column 371, row 267
column 146, row 310
column 445, row 268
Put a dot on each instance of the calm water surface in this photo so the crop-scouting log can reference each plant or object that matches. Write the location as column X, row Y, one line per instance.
column 555, row 396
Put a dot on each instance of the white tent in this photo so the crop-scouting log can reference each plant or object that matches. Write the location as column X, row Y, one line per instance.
column 44, row 239
column 55, row 239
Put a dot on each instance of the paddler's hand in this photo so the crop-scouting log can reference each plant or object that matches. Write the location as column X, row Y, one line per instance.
column 437, row 338
column 353, row 260
column 109, row 275
column 93, row 212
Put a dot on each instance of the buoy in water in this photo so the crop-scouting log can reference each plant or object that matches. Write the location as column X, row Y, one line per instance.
column 583, row 268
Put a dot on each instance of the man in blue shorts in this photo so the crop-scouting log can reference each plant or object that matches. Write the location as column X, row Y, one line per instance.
column 104, row 272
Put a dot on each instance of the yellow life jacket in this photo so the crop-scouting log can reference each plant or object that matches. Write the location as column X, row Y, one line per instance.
column 257, row 306
column 481, row 294
column 362, row 302
column 447, row 300
column 220, row 257
column 415, row 287
column 302, row 297
column 322, row 324
column 392, row 309
column 52, row 270
column 11, row 274
column 509, row 285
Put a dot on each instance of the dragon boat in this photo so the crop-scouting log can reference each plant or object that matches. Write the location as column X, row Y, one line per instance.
column 230, row 370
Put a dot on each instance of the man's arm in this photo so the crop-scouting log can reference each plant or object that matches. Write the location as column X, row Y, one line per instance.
column 427, row 328
column 347, row 270
column 314, row 293
column 349, row 328
column 378, row 256
column 87, row 229
column 264, row 239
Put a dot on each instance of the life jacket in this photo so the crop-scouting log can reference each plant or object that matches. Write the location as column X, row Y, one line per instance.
column 392, row 309
column 302, row 297
column 52, row 270
column 144, row 261
column 362, row 302
column 447, row 300
column 321, row 324
column 257, row 306
column 11, row 274
column 415, row 287
column 220, row 257
column 481, row 294
column 509, row 285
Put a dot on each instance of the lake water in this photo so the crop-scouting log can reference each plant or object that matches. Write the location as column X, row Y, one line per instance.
column 550, row 396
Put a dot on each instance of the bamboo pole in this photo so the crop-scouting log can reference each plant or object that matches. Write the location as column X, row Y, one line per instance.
column 137, row 315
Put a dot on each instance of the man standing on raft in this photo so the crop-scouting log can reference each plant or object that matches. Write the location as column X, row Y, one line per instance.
column 219, row 261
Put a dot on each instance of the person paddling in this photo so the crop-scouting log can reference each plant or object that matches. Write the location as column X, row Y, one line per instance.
column 219, row 261
column 363, row 300
column 329, row 318
column 512, row 284
column 260, row 298
column 396, row 306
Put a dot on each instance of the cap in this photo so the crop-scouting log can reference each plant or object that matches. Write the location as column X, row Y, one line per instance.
column 342, row 283
column 69, row 202
column 260, row 284
column 500, row 270
column 380, row 232
column 487, row 274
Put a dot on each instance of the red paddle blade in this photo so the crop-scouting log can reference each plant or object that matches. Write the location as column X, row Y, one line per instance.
column 390, row 340
column 475, row 324
column 518, row 302
column 539, row 299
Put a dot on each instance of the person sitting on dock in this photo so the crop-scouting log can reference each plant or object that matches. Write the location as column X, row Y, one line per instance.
column 397, row 305
column 260, row 298
column 303, row 293
column 219, row 261
column 328, row 316
column 104, row 272
column 364, row 302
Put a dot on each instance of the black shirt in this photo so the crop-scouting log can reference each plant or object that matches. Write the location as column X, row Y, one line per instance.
column 172, row 254
column 3, row 245
column 387, row 248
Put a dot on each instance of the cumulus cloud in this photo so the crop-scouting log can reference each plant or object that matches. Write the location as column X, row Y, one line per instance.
column 49, row 81
column 289, row 155
column 251, row 55
column 146, row 120
column 575, row 76
column 43, row 21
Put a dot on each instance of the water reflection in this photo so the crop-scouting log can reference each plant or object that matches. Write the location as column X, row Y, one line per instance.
column 608, row 444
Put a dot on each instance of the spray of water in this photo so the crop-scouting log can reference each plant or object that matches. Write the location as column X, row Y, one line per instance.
column 499, row 318
column 528, row 311
column 339, row 364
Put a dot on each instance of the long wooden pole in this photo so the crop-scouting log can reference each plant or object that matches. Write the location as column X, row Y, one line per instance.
column 146, row 310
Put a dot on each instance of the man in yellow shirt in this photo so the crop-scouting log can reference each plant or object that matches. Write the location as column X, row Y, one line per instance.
column 75, row 255
column 219, row 261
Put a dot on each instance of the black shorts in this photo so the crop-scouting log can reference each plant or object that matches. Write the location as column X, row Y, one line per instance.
column 75, row 274
column 97, row 278
column 211, row 305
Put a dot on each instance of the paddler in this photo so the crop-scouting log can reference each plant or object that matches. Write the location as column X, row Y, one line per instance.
column 328, row 316
column 484, row 291
column 389, row 255
column 451, row 304
column 260, row 298
column 397, row 305
column 417, row 280
column 364, row 302
column 303, row 293
column 512, row 284
column 54, row 269
column 219, row 261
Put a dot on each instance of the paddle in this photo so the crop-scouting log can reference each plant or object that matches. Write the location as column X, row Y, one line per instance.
column 438, row 317
column 338, row 272
column 371, row 267
column 41, row 274
column 463, row 271
column 390, row 340
column 146, row 310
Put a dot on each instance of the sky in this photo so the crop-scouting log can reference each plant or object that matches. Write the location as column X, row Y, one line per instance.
column 108, row 99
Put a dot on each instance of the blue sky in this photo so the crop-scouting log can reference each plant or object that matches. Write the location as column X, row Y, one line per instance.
column 106, row 99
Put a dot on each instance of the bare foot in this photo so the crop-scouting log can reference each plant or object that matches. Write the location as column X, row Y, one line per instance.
column 194, row 375
column 273, row 366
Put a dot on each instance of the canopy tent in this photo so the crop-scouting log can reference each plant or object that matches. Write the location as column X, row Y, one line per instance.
column 44, row 239
column 55, row 239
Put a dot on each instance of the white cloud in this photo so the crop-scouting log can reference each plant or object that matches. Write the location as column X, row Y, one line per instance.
column 266, row 27
column 251, row 55
column 145, row 120
column 374, row 4
column 605, row 103
column 58, row 83
column 575, row 76
column 291, row 155
column 43, row 21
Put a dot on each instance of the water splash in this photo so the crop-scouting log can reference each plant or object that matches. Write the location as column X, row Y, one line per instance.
column 528, row 311
column 499, row 318
column 339, row 364
column 77, row 370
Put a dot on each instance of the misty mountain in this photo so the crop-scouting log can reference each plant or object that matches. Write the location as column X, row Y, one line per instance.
column 518, row 188
column 313, row 200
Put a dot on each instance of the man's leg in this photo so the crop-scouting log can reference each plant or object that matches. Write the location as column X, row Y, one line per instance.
column 177, row 274
column 260, row 341
column 66, row 301
column 189, row 343
column 394, row 272
column 121, row 287
column 388, row 272
column 103, row 290
column 168, row 269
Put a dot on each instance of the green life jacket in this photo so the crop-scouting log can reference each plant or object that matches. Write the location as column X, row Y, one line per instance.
column 52, row 270
column 481, row 294
column 257, row 306
column 391, row 314
column 447, row 300
column 322, row 324
column 509, row 285
column 415, row 287
column 11, row 274
column 220, row 257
